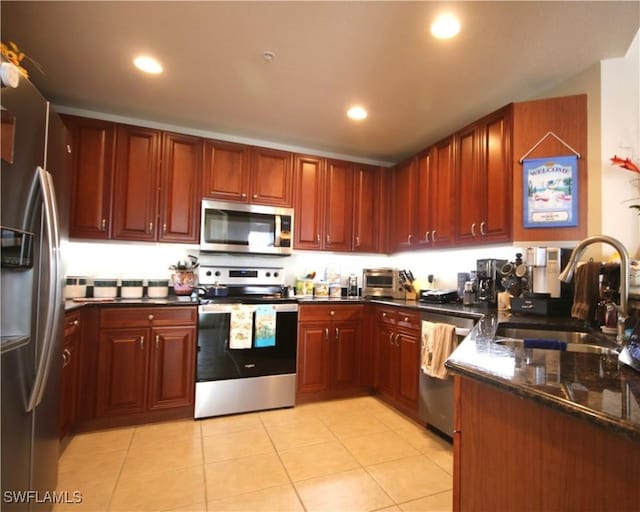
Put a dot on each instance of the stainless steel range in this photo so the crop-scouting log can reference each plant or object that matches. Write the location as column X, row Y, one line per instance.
column 247, row 341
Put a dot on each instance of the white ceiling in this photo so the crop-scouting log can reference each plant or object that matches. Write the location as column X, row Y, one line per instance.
column 329, row 55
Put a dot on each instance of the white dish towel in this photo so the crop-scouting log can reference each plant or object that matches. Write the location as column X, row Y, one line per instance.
column 241, row 331
column 438, row 341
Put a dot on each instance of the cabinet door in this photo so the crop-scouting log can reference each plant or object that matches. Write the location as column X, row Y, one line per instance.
column 92, row 149
column 172, row 375
column 469, row 185
column 343, row 368
column 271, row 177
column 403, row 199
column 384, row 361
column 338, row 201
column 135, row 201
column 495, row 224
column 308, row 207
column 441, row 195
column 122, row 371
column 226, row 171
column 70, row 368
column 313, row 357
column 180, row 188
column 367, row 208
column 408, row 353
column 424, row 206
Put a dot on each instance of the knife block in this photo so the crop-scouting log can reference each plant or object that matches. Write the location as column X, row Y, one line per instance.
column 411, row 295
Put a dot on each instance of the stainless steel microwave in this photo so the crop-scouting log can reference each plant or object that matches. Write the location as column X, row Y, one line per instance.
column 245, row 228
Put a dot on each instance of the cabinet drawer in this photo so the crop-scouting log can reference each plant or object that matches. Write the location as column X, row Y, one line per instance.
column 408, row 319
column 145, row 317
column 312, row 313
column 387, row 315
column 71, row 323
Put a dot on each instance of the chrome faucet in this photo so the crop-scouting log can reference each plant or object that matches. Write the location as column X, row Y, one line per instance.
column 623, row 309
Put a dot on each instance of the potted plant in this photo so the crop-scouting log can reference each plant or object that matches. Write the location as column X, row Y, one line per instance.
column 184, row 275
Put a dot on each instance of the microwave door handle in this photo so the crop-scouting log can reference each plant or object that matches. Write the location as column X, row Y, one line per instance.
column 278, row 229
column 43, row 183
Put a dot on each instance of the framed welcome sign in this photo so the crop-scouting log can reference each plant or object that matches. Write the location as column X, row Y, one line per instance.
column 550, row 195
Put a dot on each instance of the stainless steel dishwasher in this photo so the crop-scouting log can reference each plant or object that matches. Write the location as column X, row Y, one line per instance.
column 436, row 395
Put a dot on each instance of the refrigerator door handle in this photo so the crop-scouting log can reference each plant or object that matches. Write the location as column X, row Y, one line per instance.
column 43, row 183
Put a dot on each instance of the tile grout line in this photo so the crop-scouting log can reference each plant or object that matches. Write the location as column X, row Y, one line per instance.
column 126, row 453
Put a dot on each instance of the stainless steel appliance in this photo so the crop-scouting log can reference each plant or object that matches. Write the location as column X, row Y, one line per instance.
column 488, row 273
column 545, row 265
column 435, row 405
column 239, row 228
column 33, row 152
column 382, row 282
column 239, row 367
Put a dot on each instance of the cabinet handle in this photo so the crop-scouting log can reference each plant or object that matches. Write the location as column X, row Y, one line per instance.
column 150, row 317
column 66, row 357
column 332, row 312
column 255, row 196
column 482, row 231
column 326, row 334
column 318, row 238
column 103, row 225
column 164, row 228
column 384, row 314
column 243, row 195
column 157, row 341
column 406, row 319
column 426, row 236
column 433, row 235
column 357, row 241
column 328, row 239
column 150, row 227
column 337, row 334
column 397, row 344
column 473, row 229
column 410, row 239
column 141, row 342
column 76, row 322
column 391, row 338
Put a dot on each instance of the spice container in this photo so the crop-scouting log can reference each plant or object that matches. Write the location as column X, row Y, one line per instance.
column 131, row 289
column 158, row 288
column 335, row 291
column 105, row 288
column 321, row 289
column 75, row 287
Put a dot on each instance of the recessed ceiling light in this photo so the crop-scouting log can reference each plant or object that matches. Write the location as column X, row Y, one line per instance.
column 148, row 64
column 445, row 27
column 357, row 113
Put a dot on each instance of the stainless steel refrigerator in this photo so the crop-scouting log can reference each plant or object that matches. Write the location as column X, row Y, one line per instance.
column 33, row 177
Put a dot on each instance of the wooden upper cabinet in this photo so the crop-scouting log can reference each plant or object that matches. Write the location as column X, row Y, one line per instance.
column 271, row 177
column 226, row 171
column 338, row 212
column 368, row 208
column 247, row 174
column 135, row 201
column 483, row 180
column 180, row 188
column 307, row 224
column 403, row 198
column 92, row 149
column 441, row 194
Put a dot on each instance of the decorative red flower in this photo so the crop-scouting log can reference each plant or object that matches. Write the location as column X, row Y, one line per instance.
column 625, row 163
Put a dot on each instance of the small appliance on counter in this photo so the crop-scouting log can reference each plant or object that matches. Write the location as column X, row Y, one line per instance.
column 382, row 282
column 439, row 296
column 489, row 280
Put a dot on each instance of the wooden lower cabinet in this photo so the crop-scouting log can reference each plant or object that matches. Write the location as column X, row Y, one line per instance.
column 70, row 368
column 397, row 357
column 511, row 453
column 328, row 345
column 149, row 366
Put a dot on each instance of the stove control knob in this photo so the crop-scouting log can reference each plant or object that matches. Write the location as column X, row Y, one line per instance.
column 218, row 273
column 268, row 274
column 208, row 272
column 276, row 274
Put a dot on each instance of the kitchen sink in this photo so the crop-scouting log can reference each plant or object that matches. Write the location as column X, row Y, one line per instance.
column 576, row 341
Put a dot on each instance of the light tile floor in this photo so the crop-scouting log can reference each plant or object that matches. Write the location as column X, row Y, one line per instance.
column 346, row 455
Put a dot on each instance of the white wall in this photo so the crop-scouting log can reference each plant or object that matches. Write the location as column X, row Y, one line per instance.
column 621, row 136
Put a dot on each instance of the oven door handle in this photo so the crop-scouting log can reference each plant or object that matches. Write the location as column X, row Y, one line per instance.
column 207, row 309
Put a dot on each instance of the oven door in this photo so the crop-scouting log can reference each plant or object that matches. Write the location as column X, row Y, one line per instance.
column 217, row 361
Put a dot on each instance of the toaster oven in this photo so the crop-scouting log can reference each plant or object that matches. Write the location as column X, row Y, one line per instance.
column 382, row 282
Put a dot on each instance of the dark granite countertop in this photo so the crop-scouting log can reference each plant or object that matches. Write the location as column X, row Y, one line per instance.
column 588, row 386
column 172, row 300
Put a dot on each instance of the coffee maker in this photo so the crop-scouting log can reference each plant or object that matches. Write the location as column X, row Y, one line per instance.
column 544, row 266
column 488, row 272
